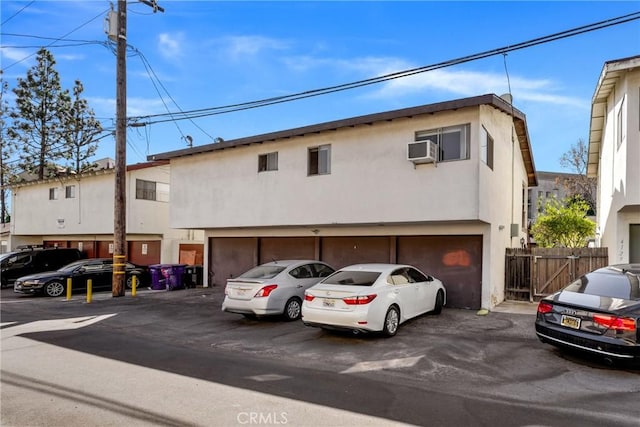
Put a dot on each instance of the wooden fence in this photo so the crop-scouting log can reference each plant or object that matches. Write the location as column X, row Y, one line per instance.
column 533, row 273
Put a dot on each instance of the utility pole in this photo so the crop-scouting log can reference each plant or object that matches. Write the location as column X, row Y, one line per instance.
column 120, row 217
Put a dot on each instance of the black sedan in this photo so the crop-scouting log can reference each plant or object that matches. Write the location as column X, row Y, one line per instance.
column 599, row 313
column 99, row 270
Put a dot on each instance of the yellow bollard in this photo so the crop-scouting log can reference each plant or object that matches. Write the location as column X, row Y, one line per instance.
column 134, row 284
column 69, row 289
column 89, row 289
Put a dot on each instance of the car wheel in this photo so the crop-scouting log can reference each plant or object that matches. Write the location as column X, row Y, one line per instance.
column 54, row 289
column 292, row 309
column 439, row 303
column 391, row 321
column 130, row 281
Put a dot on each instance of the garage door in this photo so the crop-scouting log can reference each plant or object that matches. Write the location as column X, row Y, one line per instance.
column 342, row 251
column 456, row 260
column 280, row 248
column 230, row 257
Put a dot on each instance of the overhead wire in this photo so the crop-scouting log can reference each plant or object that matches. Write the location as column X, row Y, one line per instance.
column 58, row 39
column 211, row 111
column 18, row 12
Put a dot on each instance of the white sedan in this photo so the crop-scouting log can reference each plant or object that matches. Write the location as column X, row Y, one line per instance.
column 372, row 297
column 273, row 288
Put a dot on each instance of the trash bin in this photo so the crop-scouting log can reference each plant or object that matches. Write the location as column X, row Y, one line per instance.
column 175, row 276
column 193, row 276
column 158, row 280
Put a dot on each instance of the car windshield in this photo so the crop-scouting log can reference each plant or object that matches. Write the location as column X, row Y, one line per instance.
column 352, row 278
column 72, row 266
column 623, row 286
column 263, row 272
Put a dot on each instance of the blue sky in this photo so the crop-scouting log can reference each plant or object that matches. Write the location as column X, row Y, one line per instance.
column 203, row 54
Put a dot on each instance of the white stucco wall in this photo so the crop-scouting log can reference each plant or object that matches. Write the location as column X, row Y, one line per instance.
column 619, row 169
column 372, row 189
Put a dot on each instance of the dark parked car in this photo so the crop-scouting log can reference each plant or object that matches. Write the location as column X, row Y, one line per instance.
column 99, row 270
column 30, row 260
column 599, row 313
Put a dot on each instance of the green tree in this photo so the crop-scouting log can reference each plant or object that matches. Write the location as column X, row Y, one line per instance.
column 6, row 151
column 38, row 126
column 81, row 127
column 563, row 225
column 576, row 160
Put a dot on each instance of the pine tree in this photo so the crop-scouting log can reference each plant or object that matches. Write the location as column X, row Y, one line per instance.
column 38, row 127
column 81, row 127
column 6, row 151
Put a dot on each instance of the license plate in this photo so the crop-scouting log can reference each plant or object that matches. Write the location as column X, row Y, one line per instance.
column 570, row 321
column 328, row 302
column 241, row 292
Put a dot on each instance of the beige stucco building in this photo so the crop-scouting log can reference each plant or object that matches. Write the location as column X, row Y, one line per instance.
column 614, row 158
column 440, row 186
column 78, row 211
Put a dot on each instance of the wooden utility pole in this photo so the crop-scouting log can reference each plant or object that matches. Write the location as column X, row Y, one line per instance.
column 120, row 217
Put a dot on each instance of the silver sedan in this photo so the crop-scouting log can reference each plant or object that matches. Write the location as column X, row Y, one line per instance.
column 274, row 288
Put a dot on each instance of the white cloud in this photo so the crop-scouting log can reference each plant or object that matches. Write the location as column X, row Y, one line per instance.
column 239, row 47
column 106, row 107
column 170, row 45
column 15, row 55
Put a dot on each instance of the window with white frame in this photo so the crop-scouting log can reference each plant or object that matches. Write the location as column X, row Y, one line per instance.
column 319, row 160
column 452, row 141
column 486, row 147
column 70, row 192
column 268, row 162
column 53, row 193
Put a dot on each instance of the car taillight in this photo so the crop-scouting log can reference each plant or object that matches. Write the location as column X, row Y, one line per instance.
column 614, row 322
column 308, row 297
column 265, row 291
column 545, row 307
column 226, row 290
column 359, row 300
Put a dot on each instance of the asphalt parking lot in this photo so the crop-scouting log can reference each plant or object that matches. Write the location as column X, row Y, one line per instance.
column 486, row 363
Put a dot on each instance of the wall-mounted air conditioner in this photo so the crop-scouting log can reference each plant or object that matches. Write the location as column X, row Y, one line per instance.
column 422, row 151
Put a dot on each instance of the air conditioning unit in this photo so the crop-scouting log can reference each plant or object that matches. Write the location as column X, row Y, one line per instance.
column 422, row 151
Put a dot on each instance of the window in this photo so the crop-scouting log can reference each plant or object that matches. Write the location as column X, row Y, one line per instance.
column 453, row 141
column 320, row 160
column 268, row 162
column 53, row 193
column 145, row 190
column 150, row 190
column 486, row 147
column 70, row 192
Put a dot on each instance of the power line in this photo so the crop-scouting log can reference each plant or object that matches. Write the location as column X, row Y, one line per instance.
column 17, row 13
column 58, row 39
column 205, row 112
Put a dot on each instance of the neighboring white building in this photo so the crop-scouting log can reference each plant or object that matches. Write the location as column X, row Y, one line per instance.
column 78, row 211
column 614, row 158
column 346, row 192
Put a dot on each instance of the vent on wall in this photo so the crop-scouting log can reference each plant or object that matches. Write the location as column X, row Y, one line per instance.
column 422, row 151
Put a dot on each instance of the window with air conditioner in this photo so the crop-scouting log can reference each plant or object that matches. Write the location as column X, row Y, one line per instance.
column 452, row 142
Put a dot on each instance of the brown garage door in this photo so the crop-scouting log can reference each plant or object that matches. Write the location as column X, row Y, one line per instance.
column 456, row 260
column 144, row 252
column 280, row 248
column 342, row 251
column 230, row 257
